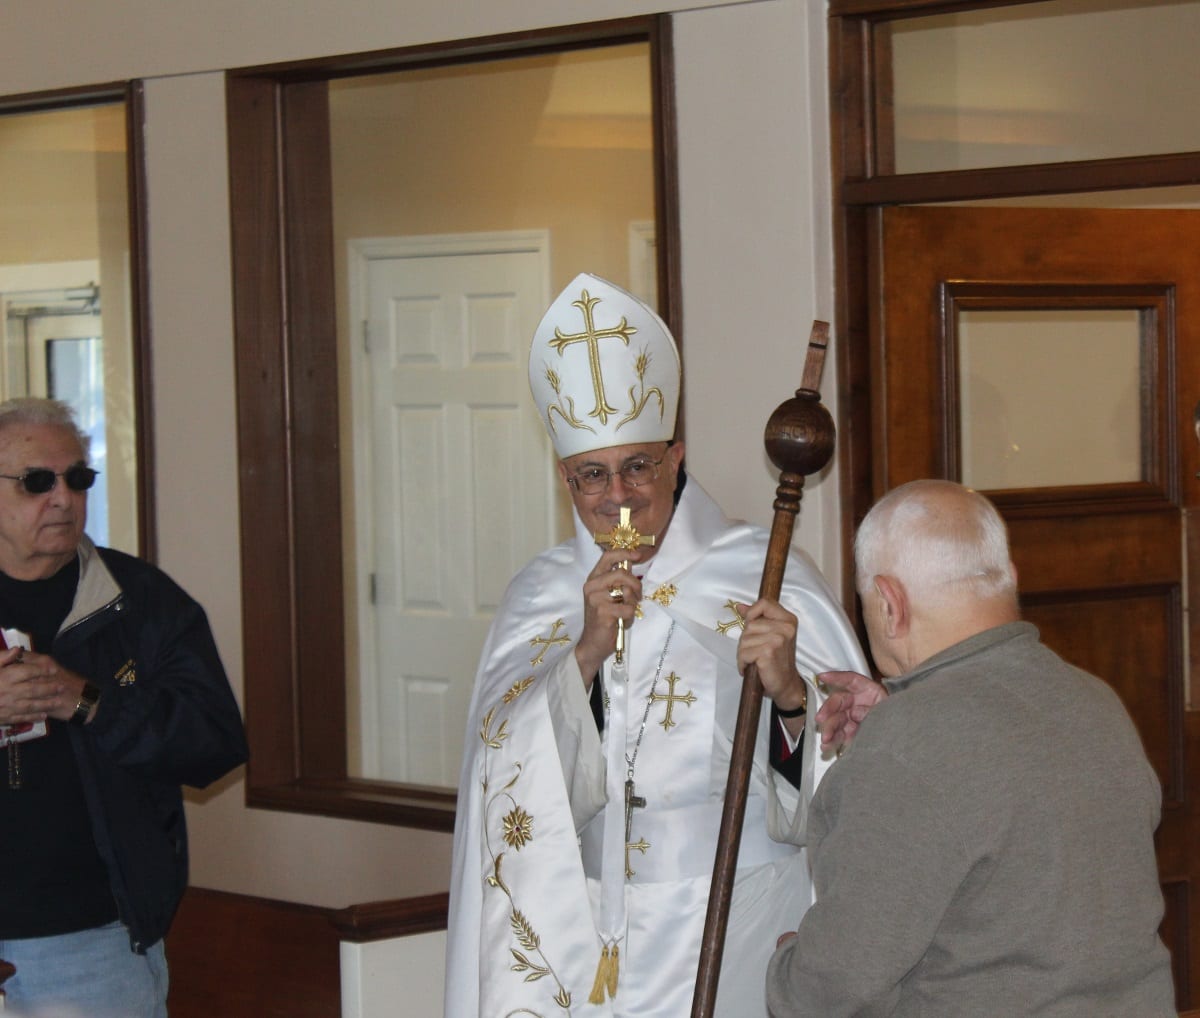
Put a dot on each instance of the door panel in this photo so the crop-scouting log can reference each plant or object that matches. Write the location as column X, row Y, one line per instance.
column 461, row 485
column 1102, row 565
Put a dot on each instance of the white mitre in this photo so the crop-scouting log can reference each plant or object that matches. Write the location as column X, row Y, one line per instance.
column 604, row 370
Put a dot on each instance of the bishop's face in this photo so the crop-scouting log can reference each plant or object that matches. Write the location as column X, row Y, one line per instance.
column 39, row 533
column 651, row 503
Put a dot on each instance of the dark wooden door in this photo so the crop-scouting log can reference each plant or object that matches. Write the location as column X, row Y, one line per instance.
column 1051, row 358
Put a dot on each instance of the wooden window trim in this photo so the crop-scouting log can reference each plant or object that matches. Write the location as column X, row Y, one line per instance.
column 285, row 338
column 132, row 94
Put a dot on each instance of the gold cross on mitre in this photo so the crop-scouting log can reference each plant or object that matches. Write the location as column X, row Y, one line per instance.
column 624, row 536
column 592, row 336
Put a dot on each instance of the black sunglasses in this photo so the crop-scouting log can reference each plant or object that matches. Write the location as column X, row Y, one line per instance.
column 39, row 480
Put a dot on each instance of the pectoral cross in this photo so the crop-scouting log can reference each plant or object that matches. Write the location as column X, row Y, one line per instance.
column 631, row 802
column 624, row 536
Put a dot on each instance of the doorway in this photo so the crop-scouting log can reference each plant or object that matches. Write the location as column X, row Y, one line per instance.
column 924, row 114
column 454, row 483
column 967, row 329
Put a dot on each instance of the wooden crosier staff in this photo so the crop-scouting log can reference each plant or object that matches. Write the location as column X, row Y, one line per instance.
column 799, row 440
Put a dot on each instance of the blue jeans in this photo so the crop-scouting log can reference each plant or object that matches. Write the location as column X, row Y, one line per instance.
column 89, row 974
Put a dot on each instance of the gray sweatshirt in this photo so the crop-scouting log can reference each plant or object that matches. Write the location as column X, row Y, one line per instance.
column 985, row 847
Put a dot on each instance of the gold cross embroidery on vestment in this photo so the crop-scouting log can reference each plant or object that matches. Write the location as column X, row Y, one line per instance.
column 737, row 620
column 636, row 846
column 546, row 642
column 671, row 698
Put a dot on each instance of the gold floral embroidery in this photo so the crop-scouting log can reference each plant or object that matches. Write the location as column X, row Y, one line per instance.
column 636, row 405
column 518, row 828
column 665, row 594
column 517, row 688
column 528, row 939
column 567, row 411
column 515, row 828
column 485, row 733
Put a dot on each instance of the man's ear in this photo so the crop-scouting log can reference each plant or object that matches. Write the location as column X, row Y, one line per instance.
column 895, row 616
column 564, row 474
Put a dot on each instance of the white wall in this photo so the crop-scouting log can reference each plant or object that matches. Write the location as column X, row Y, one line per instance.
column 756, row 255
column 757, row 246
column 401, row 976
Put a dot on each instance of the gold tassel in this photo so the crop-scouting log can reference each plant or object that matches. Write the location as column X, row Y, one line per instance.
column 606, row 975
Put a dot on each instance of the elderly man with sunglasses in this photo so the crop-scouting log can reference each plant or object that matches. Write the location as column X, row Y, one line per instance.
column 112, row 696
column 600, row 728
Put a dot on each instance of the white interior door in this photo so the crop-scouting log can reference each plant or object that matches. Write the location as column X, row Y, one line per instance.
column 460, row 476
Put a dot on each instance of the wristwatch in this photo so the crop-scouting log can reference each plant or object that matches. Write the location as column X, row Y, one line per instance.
column 89, row 696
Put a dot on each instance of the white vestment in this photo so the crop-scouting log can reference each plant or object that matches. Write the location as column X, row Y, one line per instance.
column 528, row 916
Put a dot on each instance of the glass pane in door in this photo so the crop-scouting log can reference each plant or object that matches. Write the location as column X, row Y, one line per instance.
column 1049, row 398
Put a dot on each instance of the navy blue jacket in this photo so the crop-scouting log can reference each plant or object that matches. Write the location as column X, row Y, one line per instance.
column 166, row 718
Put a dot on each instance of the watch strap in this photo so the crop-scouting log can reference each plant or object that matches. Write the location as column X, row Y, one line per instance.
column 89, row 696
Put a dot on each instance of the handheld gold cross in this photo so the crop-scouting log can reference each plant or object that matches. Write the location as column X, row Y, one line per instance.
column 624, row 536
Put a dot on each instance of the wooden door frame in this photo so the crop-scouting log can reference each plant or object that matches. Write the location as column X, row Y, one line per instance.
column 864, row 182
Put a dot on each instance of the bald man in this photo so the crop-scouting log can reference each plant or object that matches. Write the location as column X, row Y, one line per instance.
column 985, row 845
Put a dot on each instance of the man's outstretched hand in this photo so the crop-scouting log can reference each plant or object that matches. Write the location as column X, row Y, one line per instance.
column 851, row 697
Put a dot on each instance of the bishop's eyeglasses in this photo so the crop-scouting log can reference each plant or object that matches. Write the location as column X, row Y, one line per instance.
column 594, row 480
column 39, row 480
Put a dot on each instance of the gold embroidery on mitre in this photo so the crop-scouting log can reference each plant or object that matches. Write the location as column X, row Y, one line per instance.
column 592, row 336
column 665, row 594
column 546, row 642
column 636, row 405
column 567, row 413
column 671, row 698
column 737, row 620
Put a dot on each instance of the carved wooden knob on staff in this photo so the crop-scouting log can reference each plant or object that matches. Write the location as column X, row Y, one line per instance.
column 799, row 440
